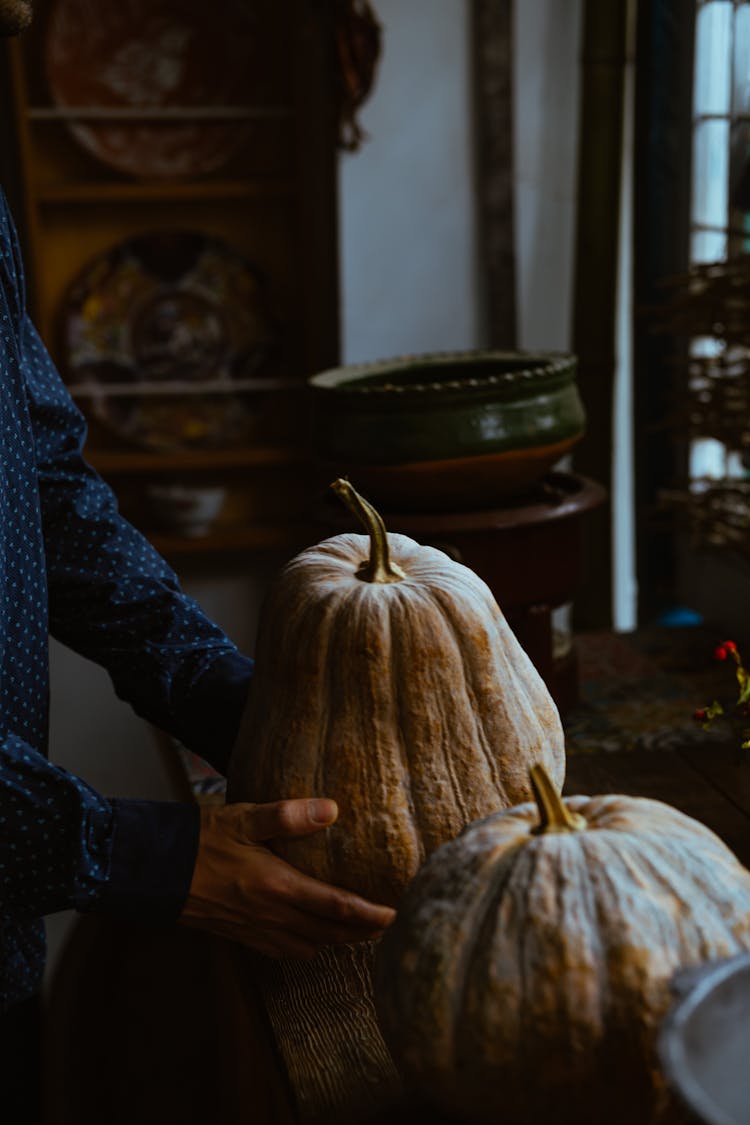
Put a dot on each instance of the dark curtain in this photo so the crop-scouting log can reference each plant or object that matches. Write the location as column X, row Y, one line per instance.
column 493, row 113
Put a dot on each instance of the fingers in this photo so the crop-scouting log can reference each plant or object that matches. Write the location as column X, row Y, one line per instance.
column 287, row 818
column 344, row 909
column 274, row 944
column 309, row 928
column 242, row 890
column 301, row 936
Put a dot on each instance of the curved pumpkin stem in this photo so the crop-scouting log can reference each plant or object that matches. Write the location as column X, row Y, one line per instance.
column 379, row 567
column 554, row 814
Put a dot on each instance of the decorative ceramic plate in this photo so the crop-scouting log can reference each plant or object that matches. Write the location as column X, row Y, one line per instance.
column 173, row 310
column 149, row 56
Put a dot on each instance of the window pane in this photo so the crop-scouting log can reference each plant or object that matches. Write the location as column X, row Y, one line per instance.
column 741, row 76
column 713, row 57
column 708, row 246
column 720, row 202
column 711, row 173
column 708, row 458
column 706, row 346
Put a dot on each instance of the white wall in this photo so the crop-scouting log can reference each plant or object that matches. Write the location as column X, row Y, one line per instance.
column 409, row 255
column 408, row 239
column 546, row 94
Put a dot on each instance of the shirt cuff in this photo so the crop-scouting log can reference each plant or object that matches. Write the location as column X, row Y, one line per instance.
column 210, row 717
column 154, row 848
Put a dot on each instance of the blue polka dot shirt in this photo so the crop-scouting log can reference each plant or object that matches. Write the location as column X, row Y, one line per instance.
column 72, row 567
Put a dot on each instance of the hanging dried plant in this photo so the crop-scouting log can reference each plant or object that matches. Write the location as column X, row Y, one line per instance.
column 712, row 299
column 711, row 304
column 736, row 713
column 358, row 42
column 717, row 513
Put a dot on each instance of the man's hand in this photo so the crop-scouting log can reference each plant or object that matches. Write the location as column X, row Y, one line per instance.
column 241, row 890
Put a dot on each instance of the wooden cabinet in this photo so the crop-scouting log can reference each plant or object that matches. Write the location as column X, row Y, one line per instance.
column 273, row 200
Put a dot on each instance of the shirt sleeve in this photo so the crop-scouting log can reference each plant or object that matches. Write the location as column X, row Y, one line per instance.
column 64, row 846
column 112, row 598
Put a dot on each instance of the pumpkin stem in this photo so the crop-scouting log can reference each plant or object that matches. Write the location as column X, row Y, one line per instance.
column 379, row 567
column 554, row 815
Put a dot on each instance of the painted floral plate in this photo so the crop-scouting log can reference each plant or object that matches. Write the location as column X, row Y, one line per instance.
column 181, row 316
column 153, row 57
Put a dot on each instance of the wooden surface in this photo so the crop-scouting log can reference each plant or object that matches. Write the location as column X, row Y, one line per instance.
column 159, row 1026
column 166, row 1026
column 712, row 785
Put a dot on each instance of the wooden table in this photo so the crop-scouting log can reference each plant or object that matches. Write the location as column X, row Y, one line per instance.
column 161, row 1021
column 711, row 785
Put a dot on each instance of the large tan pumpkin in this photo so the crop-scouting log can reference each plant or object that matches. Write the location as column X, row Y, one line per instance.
column 528, row 968
column 387, row 678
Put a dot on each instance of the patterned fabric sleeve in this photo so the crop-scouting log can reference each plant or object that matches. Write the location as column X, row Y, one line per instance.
column 64, row 548
column 113, row 599
column 63, row 845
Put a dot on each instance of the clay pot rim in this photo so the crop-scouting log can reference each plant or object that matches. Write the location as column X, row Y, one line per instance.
column 538, row 367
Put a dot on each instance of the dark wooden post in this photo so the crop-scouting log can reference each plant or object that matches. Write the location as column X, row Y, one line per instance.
column 605, row 39
column 493, row 78
column 663, row 144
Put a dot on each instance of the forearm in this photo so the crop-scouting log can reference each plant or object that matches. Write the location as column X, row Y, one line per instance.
column 112, row 597
column 117, row 602
column 114, row 600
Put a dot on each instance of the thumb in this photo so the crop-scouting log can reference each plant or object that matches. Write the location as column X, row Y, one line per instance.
column 289, row 818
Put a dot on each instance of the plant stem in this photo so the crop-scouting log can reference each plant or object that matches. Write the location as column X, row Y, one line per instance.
column 554, row 815
column 379, row 567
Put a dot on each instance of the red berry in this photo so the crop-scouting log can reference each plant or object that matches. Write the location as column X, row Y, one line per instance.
column 700, row 715
column 721, row 652
column 730, row 646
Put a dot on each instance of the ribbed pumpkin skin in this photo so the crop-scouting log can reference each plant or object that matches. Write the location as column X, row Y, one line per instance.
column 525, row 976
column 410, row 703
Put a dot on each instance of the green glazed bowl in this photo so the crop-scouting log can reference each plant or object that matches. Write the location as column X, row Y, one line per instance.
column 449, row 431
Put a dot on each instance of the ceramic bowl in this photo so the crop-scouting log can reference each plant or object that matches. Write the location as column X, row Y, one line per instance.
column 703, row 1044
column 449, row 431
column 186, row 510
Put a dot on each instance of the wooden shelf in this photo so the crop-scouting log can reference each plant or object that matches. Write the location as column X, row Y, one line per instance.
column 148, row 192
column 273, row 201
column 157, row 113
column 138, row 389
column 235, row 540
column 143, row 461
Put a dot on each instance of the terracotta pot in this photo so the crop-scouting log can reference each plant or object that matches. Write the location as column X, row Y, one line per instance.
column 447, row 432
